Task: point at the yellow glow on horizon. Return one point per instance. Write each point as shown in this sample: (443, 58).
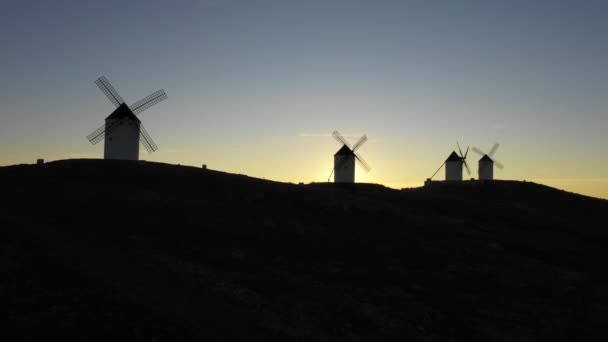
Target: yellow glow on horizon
(301, 160)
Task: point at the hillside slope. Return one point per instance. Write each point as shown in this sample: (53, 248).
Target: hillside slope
(99, 250)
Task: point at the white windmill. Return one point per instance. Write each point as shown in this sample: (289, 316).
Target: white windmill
(487, 163)
(454, 163)
(122, 129)
(453, 166)
(344, 160)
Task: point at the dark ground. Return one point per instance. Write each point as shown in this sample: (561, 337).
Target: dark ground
(94, 250)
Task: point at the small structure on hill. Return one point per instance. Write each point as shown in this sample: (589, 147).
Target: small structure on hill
(344, 160)
(454, 164)
(344, 165)
(453, 167)
(122, 129)
(487, 163)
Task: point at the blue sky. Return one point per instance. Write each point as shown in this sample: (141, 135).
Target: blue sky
(255, 86)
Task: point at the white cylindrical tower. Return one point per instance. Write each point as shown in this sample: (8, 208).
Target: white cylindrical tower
(453, 168)
(122, 139)
(344, 166)
(486, 168)
(122, 142)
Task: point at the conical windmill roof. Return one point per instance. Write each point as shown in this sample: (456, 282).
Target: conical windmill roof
(454, 158)
(486, 158)
(123, 111)
(344, 151)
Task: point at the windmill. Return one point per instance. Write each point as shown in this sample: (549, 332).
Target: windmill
(487, 163)
(122, 129)
(453, 165)
(344, 160)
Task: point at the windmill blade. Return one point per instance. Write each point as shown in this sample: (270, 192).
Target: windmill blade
(498, 165)
(466, 166)
(146, 140)
(466, 153)
(459, 150)
(360, 142)
(97, 135)
(478, 151)
(100, 133)
(148, 101)
(340, 139)
(109, 91)
(493, 150)
(363, 164)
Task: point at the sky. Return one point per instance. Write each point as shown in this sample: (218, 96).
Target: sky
(257, 87)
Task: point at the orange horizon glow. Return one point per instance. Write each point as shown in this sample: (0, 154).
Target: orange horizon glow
(593, 187)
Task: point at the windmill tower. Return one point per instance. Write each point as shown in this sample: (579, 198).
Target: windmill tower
(486, 163)
(454, 163)
(122, 129)
(486, 168)
(344, 160)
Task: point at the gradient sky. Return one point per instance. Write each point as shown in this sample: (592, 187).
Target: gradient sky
(256, 87)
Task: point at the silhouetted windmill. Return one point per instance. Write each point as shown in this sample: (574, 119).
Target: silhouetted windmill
(487, 163)
(122, 130)
(344, 160)
(453, 165)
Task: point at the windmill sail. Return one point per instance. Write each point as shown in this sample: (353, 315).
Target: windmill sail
(109, 91)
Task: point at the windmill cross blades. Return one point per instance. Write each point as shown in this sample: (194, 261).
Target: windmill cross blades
(459, 150)
(109, 91)
(490, 154)
(124, 114)
(351, 153)
(463, 157)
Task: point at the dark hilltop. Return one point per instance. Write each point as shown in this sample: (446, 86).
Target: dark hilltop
(94, 250)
